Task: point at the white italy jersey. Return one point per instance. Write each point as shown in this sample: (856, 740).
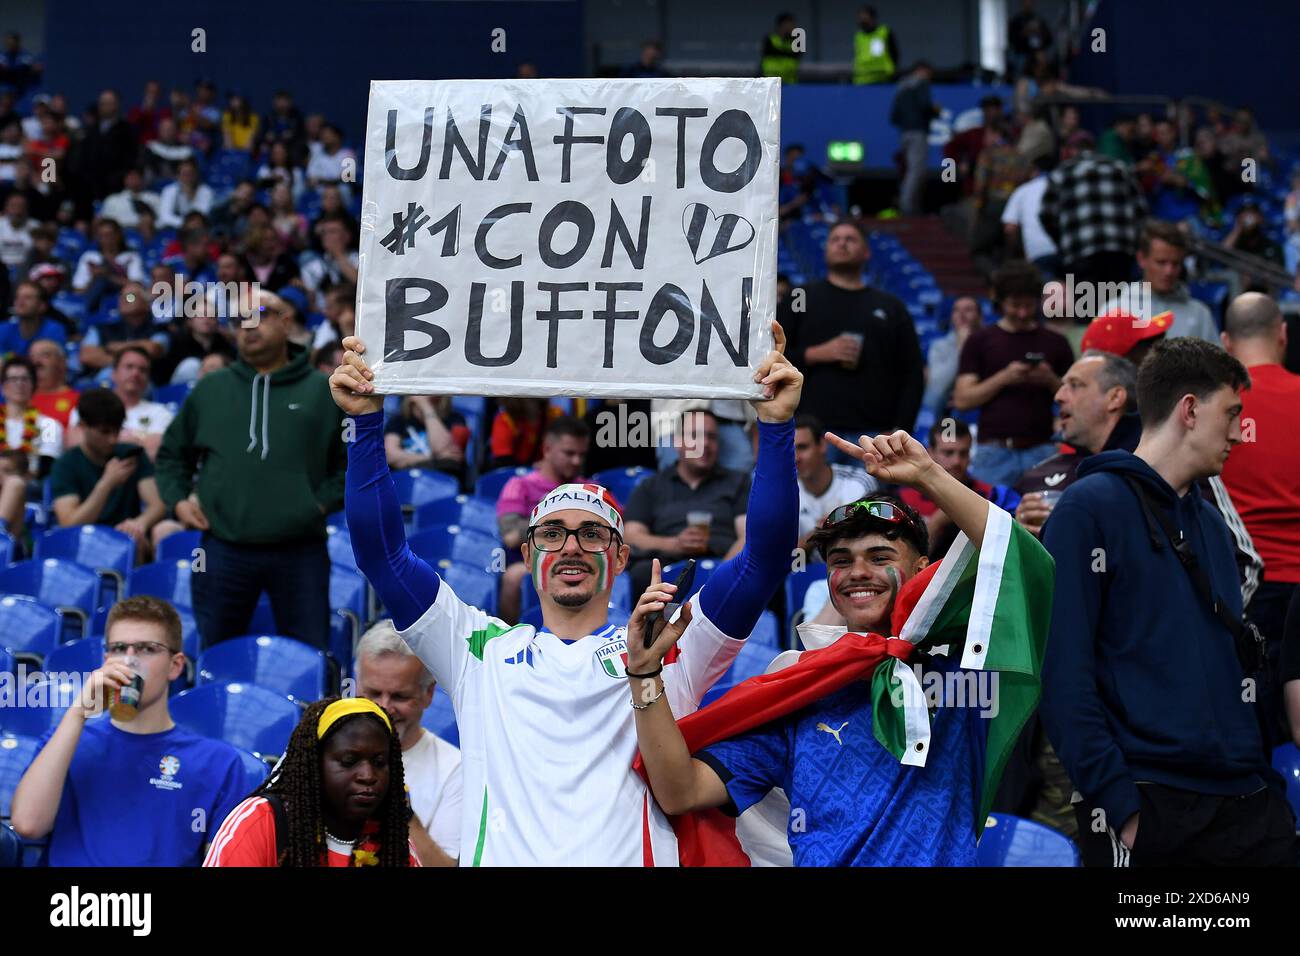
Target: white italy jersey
(548, 736)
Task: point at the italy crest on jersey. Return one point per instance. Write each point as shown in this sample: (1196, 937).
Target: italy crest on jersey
(612, 658)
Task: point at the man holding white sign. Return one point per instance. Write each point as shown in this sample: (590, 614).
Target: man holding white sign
(610, 239)
(547, 735)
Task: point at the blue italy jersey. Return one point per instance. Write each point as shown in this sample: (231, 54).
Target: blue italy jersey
(851, 802)
(143, 799)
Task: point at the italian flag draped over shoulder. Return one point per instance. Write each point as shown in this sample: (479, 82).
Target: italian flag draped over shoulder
(991, 605)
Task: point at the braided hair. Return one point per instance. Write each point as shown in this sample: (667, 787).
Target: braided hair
(297, 782)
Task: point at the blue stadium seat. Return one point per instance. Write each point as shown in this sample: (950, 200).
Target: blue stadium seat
(440, 719)
(796, 586)
(767, 632)
(80, 657)
(281, 664)
(48, 700)
(169, 580)
(1286, 761)
(109, 552)
(256, 769)
(28, 626)
(179, 546)
(11, 847)
(753, 659)
(70, 588)
(16, 752)
(458, 544)
(242, 715)
(416, 487)
(339, 543)
(621, 481)
(703, 568)
(1013, 841)
(471, 584)
(172, 393)
(476, 514)
(489, 485)
(469, 404)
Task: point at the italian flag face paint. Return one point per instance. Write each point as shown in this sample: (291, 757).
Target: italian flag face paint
(544, 561)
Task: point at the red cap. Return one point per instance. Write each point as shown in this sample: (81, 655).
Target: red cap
(1118, 331)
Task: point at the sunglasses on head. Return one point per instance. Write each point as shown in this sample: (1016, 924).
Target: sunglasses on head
(882, 510)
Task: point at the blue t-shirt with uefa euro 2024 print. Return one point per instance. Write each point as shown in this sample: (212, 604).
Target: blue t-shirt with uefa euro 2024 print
(851, 802)
(143, 799)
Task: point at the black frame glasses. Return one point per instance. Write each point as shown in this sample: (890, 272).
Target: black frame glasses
(608, 534)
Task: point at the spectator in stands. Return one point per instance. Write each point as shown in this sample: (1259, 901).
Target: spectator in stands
(338, 797)
(101, 480)
(11, 151)
(1119, 139)
(1009, 371)
(133, 789)
(1248, 235)
(295, 301)
(51, 144)
(1243, 141)
(1176, 181)
(333, 162)
(53, 397)
(165, 154)
(214, 362)
(145, 421)
(30, 321)
(1022, 227)
(328, 357)
(238, 124)
(15, 231)
(268, 261)
(13, 495)
(204, 117)
(201, 335)
(148, 241)
(45, 236)
(18, 68)
(964, 148)
(1093, 210)
(516, 437)
(857, 346)
(1260, 476)
(426, 433)
(26, 430)
(660, 510)
(144, 116)
(188, 193)
(270, 439)
(1162, 250)
(564, 455)
(649, 64)
(282, 126)
(335, 262)
(1001, 168)
(950, 446)
(134, 329)
(823, 486)
(394, 678)
(944, 354)
(1028, 35)
(230, 217)
(1291, 220)
(108, 148)
(123, 207)
(779, 56)
(290, 225)
(196, 255)
(910, 113)
(104, 271)
(1097, 404)
(875, 49)
(1165, 745)
(279, 167)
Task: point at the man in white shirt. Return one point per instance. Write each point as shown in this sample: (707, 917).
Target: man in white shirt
(145, 421)
(122, 205)
(15, 231)
(390, 674)
(1020, 222)
(823, 486)
(185, 195)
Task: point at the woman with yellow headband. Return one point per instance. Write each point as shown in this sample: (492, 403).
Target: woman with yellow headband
(336, 799)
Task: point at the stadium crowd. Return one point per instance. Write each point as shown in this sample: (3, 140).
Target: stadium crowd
(217, 559)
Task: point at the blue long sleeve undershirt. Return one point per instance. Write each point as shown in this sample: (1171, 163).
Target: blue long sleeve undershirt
(733, 597)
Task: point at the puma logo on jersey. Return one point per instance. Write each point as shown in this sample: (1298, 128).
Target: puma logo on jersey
(1053, 480)
(834, 732)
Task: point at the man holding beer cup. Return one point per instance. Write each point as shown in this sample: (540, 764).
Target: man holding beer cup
(133, 789)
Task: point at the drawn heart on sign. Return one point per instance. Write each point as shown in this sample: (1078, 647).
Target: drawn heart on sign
(715, 235)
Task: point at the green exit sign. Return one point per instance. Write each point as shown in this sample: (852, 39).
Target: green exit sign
(844, 151)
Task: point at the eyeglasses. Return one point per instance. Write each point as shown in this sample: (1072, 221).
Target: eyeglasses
(593, 538)
(142, 648)
(18, 380)
(883, 510)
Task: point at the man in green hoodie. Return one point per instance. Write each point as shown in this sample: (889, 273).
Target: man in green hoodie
(255, 460)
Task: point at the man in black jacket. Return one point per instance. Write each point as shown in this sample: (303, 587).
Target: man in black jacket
(863, 369)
